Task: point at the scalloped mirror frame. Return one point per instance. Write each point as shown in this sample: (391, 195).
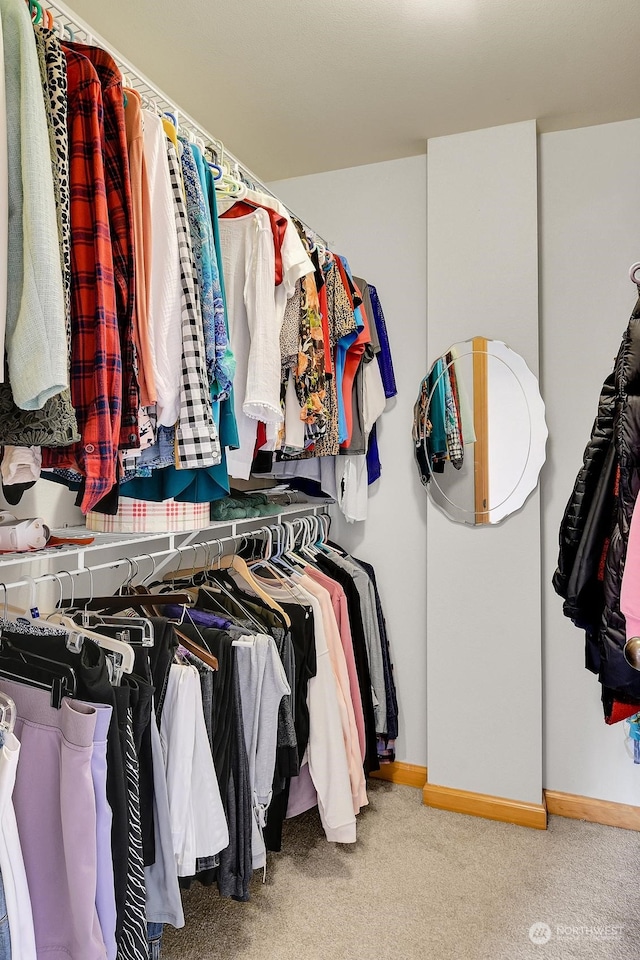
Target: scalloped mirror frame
(536, 456)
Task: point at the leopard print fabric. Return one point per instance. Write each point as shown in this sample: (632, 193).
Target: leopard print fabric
(54, 82)
(55, 424)
(289, 333)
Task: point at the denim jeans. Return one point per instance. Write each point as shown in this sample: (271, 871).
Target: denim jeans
(5, 939)
(154, 934)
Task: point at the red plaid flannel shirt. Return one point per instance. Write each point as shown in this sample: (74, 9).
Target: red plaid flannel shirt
(118, 185)
(96, 366)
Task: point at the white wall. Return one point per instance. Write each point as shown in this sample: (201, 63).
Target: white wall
(376, 216)
(484, 679)
(590, 235)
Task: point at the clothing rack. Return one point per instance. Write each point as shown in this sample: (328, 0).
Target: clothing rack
(168, 554)
(150, 92)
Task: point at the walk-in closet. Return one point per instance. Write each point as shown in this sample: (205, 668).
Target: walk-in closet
(319, 467)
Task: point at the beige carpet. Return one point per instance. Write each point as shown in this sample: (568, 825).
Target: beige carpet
(428, 885)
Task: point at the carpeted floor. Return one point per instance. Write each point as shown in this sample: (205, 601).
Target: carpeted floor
(429, 885)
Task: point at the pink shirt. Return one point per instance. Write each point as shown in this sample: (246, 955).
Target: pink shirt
(347, 715)
(630, 590)
(341, 610)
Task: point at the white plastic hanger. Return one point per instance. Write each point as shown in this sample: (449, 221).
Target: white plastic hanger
(124, 650)
(265, 561)
(8, 713)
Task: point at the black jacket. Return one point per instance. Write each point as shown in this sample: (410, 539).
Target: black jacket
(595, 526)
(587, 519)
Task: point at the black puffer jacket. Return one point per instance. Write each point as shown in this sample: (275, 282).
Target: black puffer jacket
(595, 527)
(571, 580)
(615, 672)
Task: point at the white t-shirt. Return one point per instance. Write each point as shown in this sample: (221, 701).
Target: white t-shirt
(295, 265)
(352, 486)
(165, 292)
(198, 824)
(14, 878)
(248, 263)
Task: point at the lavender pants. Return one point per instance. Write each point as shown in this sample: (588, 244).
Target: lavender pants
(55, 807)
(105, 889)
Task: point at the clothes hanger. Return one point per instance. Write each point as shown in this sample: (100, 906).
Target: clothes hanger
(290, 526)
(281, 579)
(63, 31)
(217, 170)
(189, 644)
(281, 559)
(222, 588)
(193, 572)
(185, 573)
(634, 273)
(152, 601)
(137, 631)
(36, 671)
(323, 544)
(124, 656)
(35, 9)
(124, 652)
(149, 601)
(246, 614)
(128, 601)
(310, 530)
(8, 713)
(213, 151)
(233, 562)
(5, 603)
(230, 185)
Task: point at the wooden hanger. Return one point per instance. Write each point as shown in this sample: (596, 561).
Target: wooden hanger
(233, 562)
(150, 605)
(127, 601)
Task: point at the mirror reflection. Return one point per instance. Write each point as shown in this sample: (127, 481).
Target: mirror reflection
(479, 432)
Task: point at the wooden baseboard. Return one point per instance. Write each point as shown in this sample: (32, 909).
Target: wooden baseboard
(481, 805)
(608, 812)
(408, 774)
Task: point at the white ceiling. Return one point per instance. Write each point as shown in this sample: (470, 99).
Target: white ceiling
(300, 86)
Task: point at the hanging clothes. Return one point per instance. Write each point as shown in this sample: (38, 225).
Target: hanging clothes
(55, 423)
(118, 191)
(96, 387)
(35, 300)
(141, 217)
(249, 265)
(594, 533)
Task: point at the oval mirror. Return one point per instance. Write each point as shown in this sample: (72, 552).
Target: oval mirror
(479, 432)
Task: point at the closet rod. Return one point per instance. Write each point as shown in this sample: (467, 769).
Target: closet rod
(146, 88)
(169, 553)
